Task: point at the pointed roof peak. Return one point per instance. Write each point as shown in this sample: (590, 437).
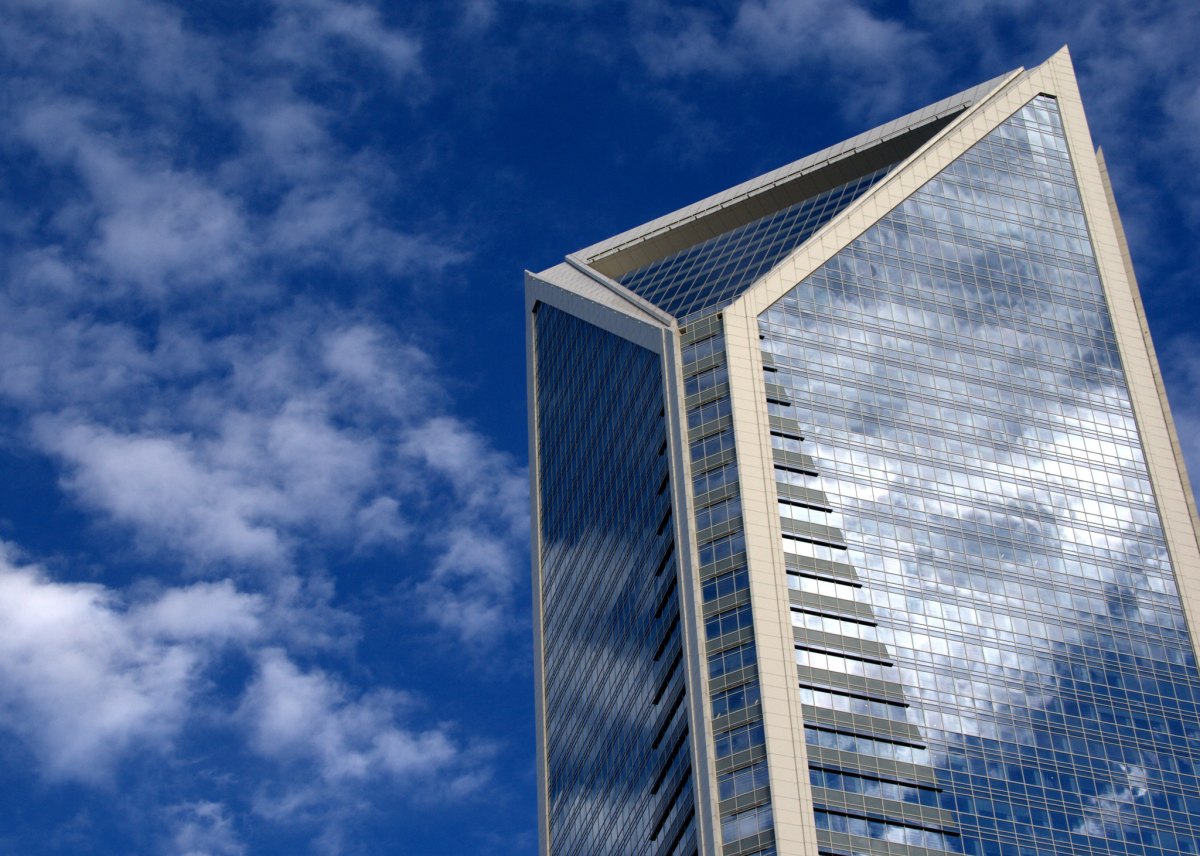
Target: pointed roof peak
(780, 188)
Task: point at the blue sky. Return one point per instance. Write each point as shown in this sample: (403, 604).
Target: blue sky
(263, 537)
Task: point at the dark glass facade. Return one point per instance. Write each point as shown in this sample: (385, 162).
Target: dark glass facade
(695, 282)
(980, 575)
(617, 738)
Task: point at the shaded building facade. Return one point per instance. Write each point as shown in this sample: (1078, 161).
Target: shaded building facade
(860, 522)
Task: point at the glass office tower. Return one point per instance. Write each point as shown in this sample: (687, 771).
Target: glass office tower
(860, 522)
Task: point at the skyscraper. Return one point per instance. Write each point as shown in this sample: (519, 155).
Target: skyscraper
(860, 522)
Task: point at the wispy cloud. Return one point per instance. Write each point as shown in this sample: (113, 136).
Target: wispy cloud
(304, 32)
(88, 677)
(842, 42)
(204, 829)
(311, 718)
(177, 344)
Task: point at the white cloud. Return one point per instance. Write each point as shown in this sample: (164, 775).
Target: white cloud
(483, 479)
(483, 534)
(203, 829)
(305, 30)
(160, 486)
(160, 211)
(84, 678)
(153, 225)
(309, 717)
(88, 678)
(322, 430)
(146, 41)
(789, 32)
(842, 40)
(212, 611)
(396, 376)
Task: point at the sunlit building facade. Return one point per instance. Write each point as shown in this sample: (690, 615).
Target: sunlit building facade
(860, 522)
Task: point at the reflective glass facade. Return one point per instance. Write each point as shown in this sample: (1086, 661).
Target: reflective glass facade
(618, 748)
(992, 651)
(923, 600)
(696, 281)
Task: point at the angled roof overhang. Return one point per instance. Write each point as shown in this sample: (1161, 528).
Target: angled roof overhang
(778, 189)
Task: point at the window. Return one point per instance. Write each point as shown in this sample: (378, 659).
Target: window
(734, 658)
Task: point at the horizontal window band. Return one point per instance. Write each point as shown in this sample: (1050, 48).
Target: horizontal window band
(786, 456)
(739, 767)
(876, 687)
(840, 652)
(878, 816)
(732, 679)
(862, 724)
(708, 463)
(786, 424)
(740, 759)
(801, 564)
(712, 497)
(814, 533)
(815, 505)
(849, 732)
(718, 531)
(813, 610)
(703, 364)
(795, 494)
(744, 802)
(706, 396)
(849, 647)
(839, 606)
(726, 602)
(812, 536)
(712, 569)
(739, 717)
(707, 429)
(855, 761)
(842, 691)
(874, 776)
(749, 846)
(828, 578)
(729, 640)
(778, 394)
(810, 470)
(698, 331)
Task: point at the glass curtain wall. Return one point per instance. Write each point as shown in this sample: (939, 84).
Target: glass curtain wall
(954, 377)
(618, 744)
